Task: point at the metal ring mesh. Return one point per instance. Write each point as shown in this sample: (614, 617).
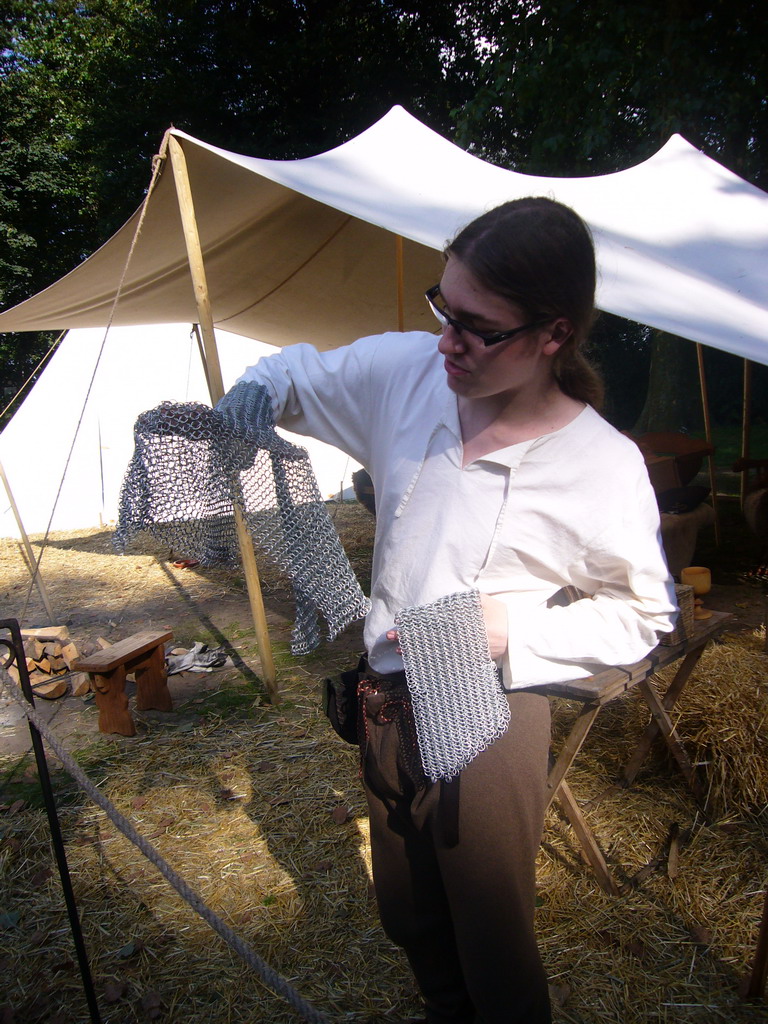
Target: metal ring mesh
(458, 703)
(191, 464)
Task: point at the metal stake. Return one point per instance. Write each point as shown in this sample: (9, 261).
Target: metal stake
(16, 648)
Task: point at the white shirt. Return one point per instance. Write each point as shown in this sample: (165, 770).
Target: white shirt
(573, 507)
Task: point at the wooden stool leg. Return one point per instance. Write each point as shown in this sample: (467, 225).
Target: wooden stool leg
(664, 724)
(112, 702)
(652, 730)
(570, 748)
(152, 682)
(589, 845)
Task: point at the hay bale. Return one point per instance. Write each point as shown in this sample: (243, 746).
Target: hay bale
(723, 721)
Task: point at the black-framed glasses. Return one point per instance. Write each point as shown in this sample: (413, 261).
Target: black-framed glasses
(446, 320)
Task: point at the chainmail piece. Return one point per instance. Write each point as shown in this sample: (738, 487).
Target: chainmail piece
(458, 703)
(192, 464)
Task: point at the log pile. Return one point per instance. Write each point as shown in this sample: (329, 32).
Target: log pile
(50, 655)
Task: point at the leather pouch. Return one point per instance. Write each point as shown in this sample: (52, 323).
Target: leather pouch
(340, 704)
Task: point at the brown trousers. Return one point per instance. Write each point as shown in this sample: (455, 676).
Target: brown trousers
(454, 867)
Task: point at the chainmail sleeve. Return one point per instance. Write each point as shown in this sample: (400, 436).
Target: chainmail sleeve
(192, 464)
(458, 704)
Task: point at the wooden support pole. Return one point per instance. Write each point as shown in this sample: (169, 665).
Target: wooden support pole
(746, 413)
(196, 267)
(400, 282)
(216, 386)
(31, 560)
(708, 435)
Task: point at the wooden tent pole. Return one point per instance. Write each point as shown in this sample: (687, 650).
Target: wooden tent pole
(31, 560)
(708, 436)
(216, 386)
(745, 426)
(400, 282)
(196, 267)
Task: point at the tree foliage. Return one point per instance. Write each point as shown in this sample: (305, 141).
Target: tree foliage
(557, 87)
(87, 88)
(575, 88)
(572, 88)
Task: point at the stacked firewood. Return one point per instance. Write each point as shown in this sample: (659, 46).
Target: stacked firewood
(50, 655)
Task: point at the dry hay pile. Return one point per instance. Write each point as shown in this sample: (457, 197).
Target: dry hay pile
(721, 718)
(264, 818)
(262, 813)
(724, 720)
(680, 941)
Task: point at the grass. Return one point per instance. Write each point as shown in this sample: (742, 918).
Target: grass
(19, 778)
(727, 442)
(230, 700)
(242, 806)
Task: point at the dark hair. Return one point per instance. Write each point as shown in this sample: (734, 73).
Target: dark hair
(539, 254)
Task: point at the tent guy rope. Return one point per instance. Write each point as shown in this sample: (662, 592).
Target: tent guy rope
(34, 373)
(35, 569)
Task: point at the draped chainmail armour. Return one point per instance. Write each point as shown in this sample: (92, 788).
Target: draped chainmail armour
(192, 464)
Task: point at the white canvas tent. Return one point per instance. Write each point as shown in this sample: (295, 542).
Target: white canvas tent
(305, 249)
(344, 243)
(139, 368)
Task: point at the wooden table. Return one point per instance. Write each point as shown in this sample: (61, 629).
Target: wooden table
(594, 692)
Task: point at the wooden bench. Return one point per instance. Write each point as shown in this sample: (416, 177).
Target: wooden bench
(593, 693)
(144, 655)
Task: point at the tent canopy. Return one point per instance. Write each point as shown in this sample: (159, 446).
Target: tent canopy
(304, 250)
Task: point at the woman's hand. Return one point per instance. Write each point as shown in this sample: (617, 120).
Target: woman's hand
(496, 625)
(495, 616)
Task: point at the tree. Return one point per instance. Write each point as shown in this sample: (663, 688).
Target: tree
(87, 88)
(55, 199)
(575, 88)
(572, 88)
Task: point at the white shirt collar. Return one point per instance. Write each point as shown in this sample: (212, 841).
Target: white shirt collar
(509, 456)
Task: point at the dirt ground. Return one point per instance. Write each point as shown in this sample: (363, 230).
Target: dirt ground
(98, 593)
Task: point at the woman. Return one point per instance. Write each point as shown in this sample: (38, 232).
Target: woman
(492, 472)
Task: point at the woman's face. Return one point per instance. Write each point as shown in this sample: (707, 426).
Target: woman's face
(510, 367)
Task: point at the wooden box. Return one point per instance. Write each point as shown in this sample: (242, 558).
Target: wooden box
(685, 622)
